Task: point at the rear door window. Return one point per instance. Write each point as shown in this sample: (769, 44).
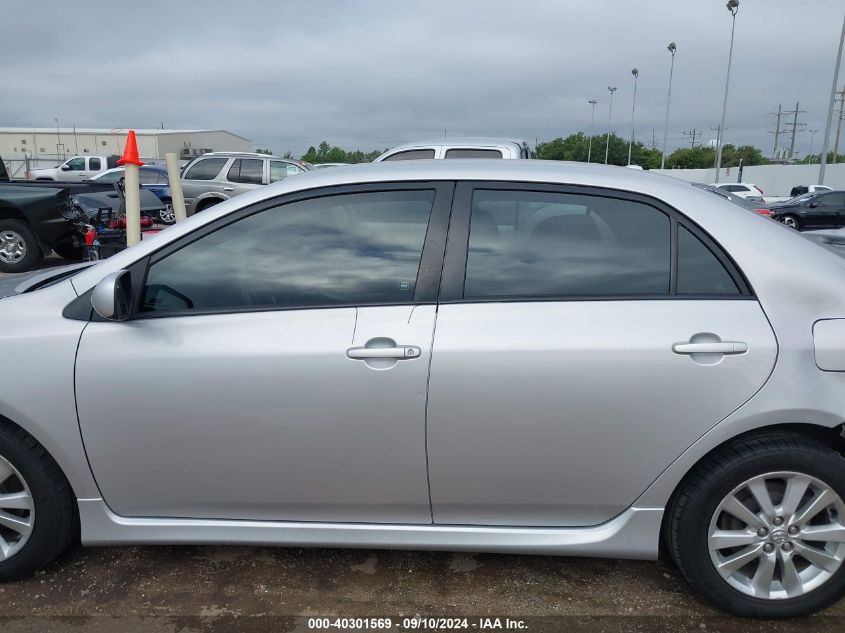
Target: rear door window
(94, 164)
(412, 154)
(247, 170)
(473, 153)
(205, 169)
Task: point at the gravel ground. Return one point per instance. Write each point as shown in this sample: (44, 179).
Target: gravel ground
(252, 588)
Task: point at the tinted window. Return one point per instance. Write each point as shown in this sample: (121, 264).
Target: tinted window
(280, 170)
(150, 177)
(832, 199)
(248, 170)
(205, 169)
(699, 270)
(473, 153)
(94, 164)
(525, 243)
(76, 164)
(735, 188)
(340, 250)
(413, 154)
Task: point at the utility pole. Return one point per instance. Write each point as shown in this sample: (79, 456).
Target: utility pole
(717, 163)
(776, 133)
(653, 139)
(795, 125)
(693, 136)
(829, 114)
(840, 96)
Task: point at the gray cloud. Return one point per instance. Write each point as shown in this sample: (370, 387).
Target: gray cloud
(373, 74)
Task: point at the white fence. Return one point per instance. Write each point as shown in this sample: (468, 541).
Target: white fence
(774, 180)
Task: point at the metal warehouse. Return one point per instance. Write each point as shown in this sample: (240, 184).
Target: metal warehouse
(51, 144)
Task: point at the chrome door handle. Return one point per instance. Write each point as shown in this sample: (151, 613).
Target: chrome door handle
(228, 188)
(401, 352)
(723, 347)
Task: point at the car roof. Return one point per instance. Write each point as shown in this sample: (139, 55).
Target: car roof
(473, 141)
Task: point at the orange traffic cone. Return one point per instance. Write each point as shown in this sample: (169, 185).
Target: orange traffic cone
(130, 152)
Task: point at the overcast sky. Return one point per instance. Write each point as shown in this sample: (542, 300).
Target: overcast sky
(372, 74)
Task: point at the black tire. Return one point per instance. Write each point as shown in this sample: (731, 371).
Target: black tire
(207, 204)
(712, 481)
(33, 253)
(56, 521)
(66, 250)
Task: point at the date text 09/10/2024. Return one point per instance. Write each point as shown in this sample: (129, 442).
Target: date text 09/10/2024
(418, 623)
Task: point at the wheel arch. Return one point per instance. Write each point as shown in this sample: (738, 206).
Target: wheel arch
(833, 437)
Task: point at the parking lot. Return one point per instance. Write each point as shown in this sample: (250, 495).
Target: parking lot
(209, 588)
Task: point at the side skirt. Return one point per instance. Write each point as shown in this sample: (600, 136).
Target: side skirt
(632, 534)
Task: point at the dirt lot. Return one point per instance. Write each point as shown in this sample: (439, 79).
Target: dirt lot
(257, 589)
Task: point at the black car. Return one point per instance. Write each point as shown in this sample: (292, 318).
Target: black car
(818, 210)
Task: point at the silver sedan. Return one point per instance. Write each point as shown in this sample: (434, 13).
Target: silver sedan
(505, 356)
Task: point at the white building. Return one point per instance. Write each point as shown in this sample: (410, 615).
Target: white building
(40, 144)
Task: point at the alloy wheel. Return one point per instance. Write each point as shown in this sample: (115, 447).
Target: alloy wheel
(167, 215)
(778, 535)
(790, 222)
(12, 247)
(17, 510)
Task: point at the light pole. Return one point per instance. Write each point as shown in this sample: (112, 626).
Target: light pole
(609, 115)
(593, 103)
(812, 138)
(828, 121)
(671, 48)
(636, 73)
(733, 7)
(58, 139)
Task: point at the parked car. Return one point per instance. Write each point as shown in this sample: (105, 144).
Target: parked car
(458, 148)
(751, 203)
(616, 364)
(152, 178)
(812, 210)
(217, 176)
(741, 189)
(76, 168)
(32, 223)
(91, 202)
(802, 189)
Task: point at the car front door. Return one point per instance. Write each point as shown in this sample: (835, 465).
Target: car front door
(202, 178)
(75, 171)
(585, 338)
(822, 211)
(276, 364)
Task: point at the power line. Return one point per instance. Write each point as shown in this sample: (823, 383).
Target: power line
(695, 134)
(795, 126)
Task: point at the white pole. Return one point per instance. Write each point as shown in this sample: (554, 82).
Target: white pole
(592, 102)
(177, 198)
(133, 204)
(826, 143)
(609, 115)
(636, 74)
(733, 7)
(672, 48)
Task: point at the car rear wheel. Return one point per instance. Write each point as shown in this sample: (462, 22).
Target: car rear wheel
(207, 204)
(37, 508)
(791, 221)
(759, 527)
(19, 250)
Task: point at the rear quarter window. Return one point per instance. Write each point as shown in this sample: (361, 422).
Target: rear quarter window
(205, 169)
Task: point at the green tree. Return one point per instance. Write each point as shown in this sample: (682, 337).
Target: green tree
(691, 158)
(326, 153)
(749, 154)
(264, 151)
(575, 147)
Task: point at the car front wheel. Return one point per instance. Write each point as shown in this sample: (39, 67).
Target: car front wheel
(167, 215)
(791, 221)
(759, 527)
(37, 507)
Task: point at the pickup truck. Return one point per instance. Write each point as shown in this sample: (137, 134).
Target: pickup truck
(797, 191)
(75, 169)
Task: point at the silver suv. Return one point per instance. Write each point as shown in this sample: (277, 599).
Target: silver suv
(218, 176)
(477, 147)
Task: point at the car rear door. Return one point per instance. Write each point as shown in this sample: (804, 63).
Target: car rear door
(585, 338)
(280, 362)
(243, 175)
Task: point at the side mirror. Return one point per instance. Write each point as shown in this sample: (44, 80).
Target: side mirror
(65, 167)
(112, 297)
(813, 205)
